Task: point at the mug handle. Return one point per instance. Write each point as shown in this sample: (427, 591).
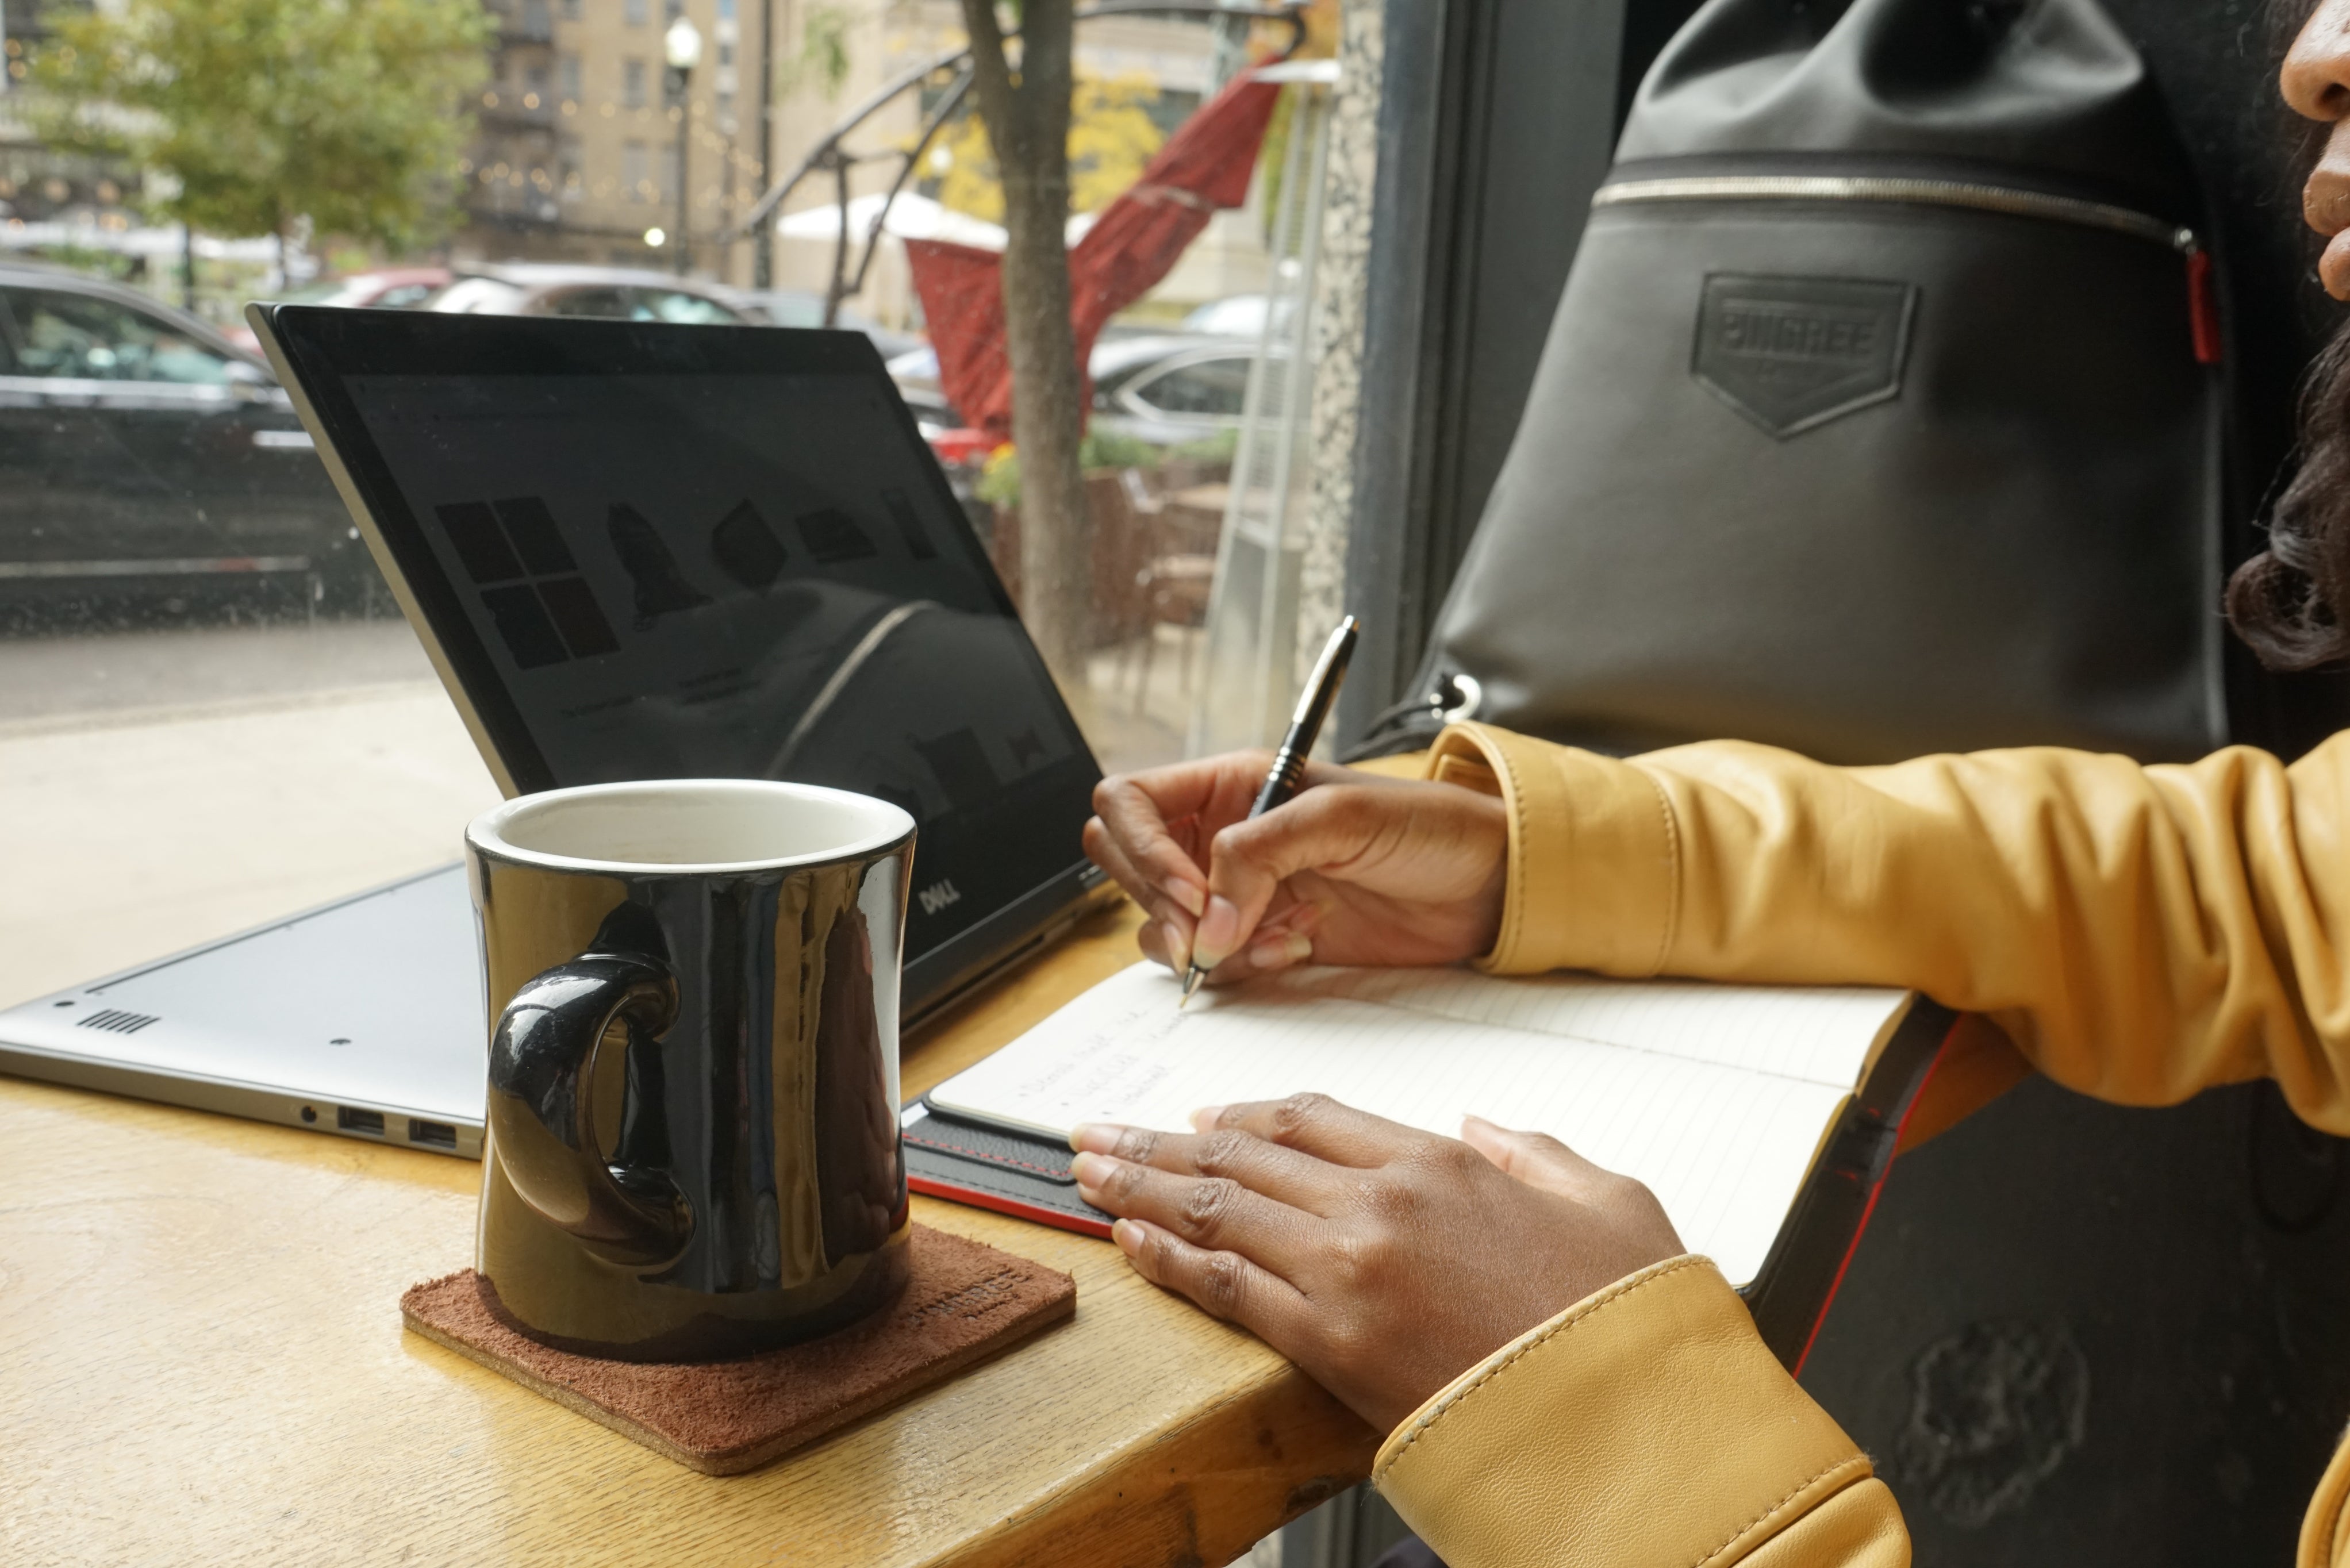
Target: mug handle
(542, 1112)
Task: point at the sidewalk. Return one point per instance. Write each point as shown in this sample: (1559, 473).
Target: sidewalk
(128, 834)
(160, 789)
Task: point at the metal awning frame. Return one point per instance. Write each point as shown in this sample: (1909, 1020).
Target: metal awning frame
(832, 156)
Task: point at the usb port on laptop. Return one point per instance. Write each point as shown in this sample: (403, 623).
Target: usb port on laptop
(432, 1134)
(351, 1119)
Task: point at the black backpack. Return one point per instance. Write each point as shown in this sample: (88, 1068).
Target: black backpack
(1880, 414)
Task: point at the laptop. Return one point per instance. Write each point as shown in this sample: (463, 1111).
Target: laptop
(631, 550)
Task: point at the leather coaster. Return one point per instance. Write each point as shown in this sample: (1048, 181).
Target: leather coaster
(963, 1301)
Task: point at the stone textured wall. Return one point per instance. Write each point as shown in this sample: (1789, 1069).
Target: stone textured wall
(1338, 324)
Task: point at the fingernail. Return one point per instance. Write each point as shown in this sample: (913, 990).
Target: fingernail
(1289, 947)
(1191, 895)
(1220, 929)
(1091, 1169)
(1178, 946)
(1095, 1138)
(1128, 1235)
(1206, 1116)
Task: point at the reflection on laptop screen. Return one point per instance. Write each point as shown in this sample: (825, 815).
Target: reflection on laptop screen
(745, 575)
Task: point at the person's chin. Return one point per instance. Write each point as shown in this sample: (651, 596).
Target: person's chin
(2334, 266)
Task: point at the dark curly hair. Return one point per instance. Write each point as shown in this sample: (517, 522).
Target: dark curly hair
(2290, 603)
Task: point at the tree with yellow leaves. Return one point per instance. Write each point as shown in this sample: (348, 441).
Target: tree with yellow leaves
(1111, 138)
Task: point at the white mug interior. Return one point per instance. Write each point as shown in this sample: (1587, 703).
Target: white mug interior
(689, 826)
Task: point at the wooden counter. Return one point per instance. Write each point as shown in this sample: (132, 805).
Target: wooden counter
(200, 1360)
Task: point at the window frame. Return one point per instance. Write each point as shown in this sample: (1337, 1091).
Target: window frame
(1496, 123)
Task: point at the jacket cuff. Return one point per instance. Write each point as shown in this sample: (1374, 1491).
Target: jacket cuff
(1577, 822)
(1645, 1424)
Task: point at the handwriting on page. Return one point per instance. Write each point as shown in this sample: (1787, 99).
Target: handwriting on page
(1114, 1058)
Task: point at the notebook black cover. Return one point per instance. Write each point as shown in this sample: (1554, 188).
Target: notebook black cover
(993, 1168)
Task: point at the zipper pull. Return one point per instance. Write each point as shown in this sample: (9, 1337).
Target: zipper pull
(2202, 300)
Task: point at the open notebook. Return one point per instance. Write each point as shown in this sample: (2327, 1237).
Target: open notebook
(1763, 1118)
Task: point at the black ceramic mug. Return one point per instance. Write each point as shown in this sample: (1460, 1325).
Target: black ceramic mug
(692, 1148)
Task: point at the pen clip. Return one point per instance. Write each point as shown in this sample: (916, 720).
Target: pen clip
(1321, 685)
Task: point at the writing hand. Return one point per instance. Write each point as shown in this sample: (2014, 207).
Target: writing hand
(1358, 869)
(1383, 1261)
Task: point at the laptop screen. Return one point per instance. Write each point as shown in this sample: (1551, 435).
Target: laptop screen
(664, 552)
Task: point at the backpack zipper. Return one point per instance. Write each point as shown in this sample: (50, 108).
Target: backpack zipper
(2202, 299)
(1921, 192)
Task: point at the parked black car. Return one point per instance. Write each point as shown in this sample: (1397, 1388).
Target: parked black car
(144, 459)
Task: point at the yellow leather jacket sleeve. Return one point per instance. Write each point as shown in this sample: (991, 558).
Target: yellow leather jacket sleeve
(1647, 1425)
(2141, 933)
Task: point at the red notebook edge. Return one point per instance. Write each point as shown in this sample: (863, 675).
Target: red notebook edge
(932, 1187)
(1875, 1191)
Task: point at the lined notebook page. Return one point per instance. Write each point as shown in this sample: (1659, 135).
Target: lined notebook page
(1823, 1033)
(1715, 1097)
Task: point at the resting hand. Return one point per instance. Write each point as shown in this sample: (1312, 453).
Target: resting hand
(1383, 1261)
(1358, 869)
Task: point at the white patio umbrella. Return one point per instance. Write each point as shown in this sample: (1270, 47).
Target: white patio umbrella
(912, 217)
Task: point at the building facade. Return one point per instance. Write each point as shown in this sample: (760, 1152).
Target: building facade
(581, 126)
(39, 183)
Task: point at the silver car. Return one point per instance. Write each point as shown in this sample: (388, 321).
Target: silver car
(606, 293)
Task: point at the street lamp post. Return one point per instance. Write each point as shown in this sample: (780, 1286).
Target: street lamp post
(681, 47)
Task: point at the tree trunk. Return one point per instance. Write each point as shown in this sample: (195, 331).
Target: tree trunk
(1028, 124)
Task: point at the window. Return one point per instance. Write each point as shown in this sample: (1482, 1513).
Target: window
(1206, 389)
(789, 308)
(480, 296)
(674, 305)
(86, 339)
(604, 304)
(640, 304)
(179, 449)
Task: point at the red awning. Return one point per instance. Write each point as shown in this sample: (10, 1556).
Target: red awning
(1205, 165)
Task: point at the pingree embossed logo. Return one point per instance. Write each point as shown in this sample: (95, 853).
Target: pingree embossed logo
(1793, 353)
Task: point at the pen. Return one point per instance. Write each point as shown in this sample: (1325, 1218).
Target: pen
(1289, 763)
